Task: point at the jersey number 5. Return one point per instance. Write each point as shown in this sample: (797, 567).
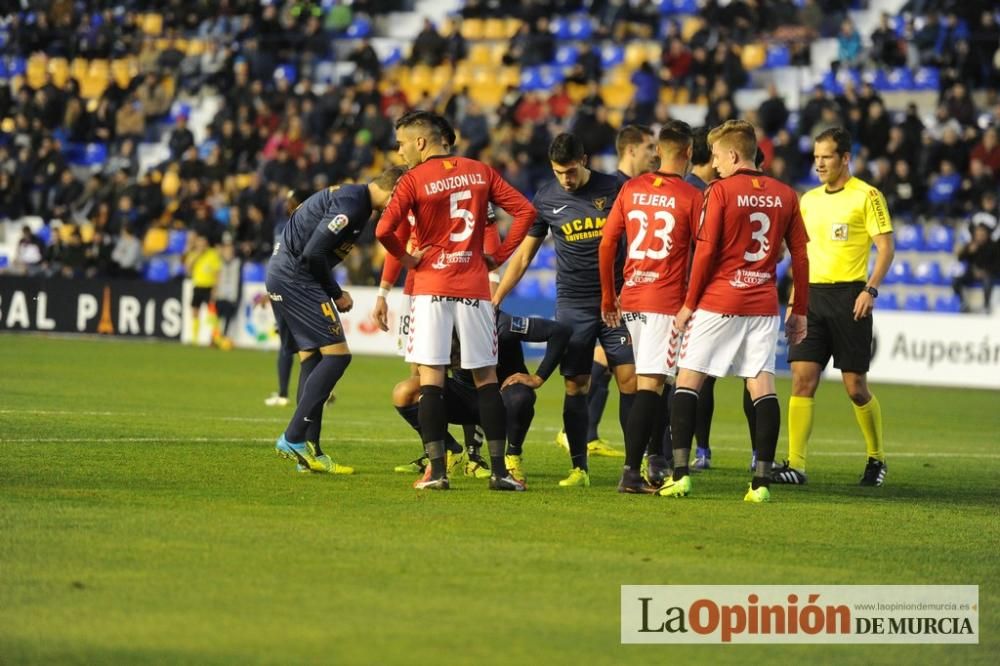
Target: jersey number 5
(758, 237)
(661, 232)
(464, 215)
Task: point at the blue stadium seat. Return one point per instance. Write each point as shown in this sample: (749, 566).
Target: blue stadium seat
(528, 287)
(928, 272)
(157, 270)
(778, 55)
(287, 72)
(949, 303)
(549, 77)
(888, 301)
(566, 55)
(96, 154)
(909, 237)
(548, 288)
(359, 28)
(44, 234)
(916, 303)
(394, 57)
(794, 118)
(954, 270)
(612, 55)
(4, 261)
(559, 26)
(179, 109)
(901, 78)
(17, 66)
(580, 27)
(939, 238)
(254, 272)
(531, 79)
(927, 78)
(176, 241)
(222, 214)
(899, 273)
(75, 153)
(781, 270)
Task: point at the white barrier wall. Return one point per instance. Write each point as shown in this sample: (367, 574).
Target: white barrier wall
(937, 349)
(254, 325)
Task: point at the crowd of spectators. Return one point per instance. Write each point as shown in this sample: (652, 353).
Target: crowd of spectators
(284, 122)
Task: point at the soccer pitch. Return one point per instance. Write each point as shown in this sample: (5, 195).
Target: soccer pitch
(145, 518)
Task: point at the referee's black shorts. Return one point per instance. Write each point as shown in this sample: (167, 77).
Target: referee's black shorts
(833, 330)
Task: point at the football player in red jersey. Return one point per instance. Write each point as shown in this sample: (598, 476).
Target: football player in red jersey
(730, 316)
(658, 213)
(448, 197)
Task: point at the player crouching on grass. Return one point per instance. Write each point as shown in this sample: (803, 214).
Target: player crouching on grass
(517, 384)
(305, 298)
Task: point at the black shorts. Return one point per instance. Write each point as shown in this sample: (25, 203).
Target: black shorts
(833, 330)
(200, 296)
(462, 402)
(305, 315)
(588, 328)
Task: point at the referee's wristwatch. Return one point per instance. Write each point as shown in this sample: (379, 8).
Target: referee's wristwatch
(872, 290)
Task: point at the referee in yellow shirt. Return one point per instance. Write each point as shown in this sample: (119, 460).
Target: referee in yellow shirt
(843, 216)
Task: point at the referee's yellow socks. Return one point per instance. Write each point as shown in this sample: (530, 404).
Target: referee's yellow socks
(800, 425)
(870, 419)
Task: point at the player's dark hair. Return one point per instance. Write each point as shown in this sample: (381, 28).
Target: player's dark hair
(447, 131)
(700, 152)
(677, 133)
(841, 139)
(296, 196)
(758, 159)
(566, 148)
(631, 135)
(387, 179)
(426, 122)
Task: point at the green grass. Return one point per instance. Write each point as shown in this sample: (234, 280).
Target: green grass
(144, 518)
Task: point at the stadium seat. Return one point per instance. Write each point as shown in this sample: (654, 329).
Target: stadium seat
(916, 303)
(254, 272)
(176, 241)
(927, 78)
(637, 53)
(938, 238)
(781, 270)
(480, 54)
(617, 95)
(691, 25)
(152, 24)
(954, 270)
(59, 70)
(559, 27)
(157, 270)
(684, 6)
(949, 303)
(531, 79)
(580, 27)
(37, 70)
(888, 301)
(899, 273)
(928, 272)
(96, 154)
(612, 55)
(473, 29)
(566, 55)
(753, 56)
(550, 77)
(394, 57)
(179, 109)
(909, 237)
(4, 261)
(288, 72)
(778, 55)
(495, 29)
(360, 28)
(44, 234)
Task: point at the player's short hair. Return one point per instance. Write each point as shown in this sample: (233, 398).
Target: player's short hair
(675, 135)
(631, 135)
(700, 152)
(566, 148)
(387, 179)
(447, 131)
(736, 134)
(427, 123)
(841, 139)
(296, 196)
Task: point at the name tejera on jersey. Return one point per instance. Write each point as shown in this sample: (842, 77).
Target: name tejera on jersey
(655, 200)
(454, 182)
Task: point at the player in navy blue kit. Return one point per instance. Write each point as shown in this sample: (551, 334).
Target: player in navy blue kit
(518, 385)
(574, 207)
(305, 298)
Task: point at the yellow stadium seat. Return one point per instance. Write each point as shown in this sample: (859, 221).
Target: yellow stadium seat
(510, 76)
(59, 69)
(497, 52)
(472, 29)
(616, 117)
(682, 96)
(94, 85)
(666, 95)
(78, 69)
(480, 54)
(442, 75)
(617, 96)
(99, 67)
(753, 56)
(171, 183)
(421, 76)
(513, 25)
(87, 232)
(195, 47)
(123, 71)
(486, 75)
(620, 75)
(637, 53)
(691, 25)
(495, 28)
(152, 24)
(461, 78)
(243, 180)
(488, 95)
(576, 91)
(155, 241)
(37, 70)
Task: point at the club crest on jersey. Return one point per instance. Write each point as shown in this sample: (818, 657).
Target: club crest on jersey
(839, 232)
(338, 223)
(599, 202)
(756, 183)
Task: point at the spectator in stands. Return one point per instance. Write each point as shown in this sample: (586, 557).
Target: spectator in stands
(229, 288)
(887, 50)
(62, 197)
(960, 105)
(772, 112)
(943, 190)
(429, 47)
(68, 256)
(903, 191)
(475, 130)
(127, 254)
(181, 138)
(647, 93)
(987, 151)
(848, 45)
(875, 130)
(366, 60)
(981, 256)
(30, 256)
(925, 39)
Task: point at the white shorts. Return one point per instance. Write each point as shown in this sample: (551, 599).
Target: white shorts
(403, 326)
(432, 319)
(654, 342)
(721, 345)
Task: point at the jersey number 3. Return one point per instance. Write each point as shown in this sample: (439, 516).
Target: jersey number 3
(758, 237)
(661, 232)
(464, 215)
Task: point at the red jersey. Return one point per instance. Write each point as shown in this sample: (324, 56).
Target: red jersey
(658, 213)
(391, 268)
(449, 197)
(745, 219)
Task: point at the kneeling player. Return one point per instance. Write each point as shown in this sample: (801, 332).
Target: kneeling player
(658, 213)
(305, 299)
(518, 385)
